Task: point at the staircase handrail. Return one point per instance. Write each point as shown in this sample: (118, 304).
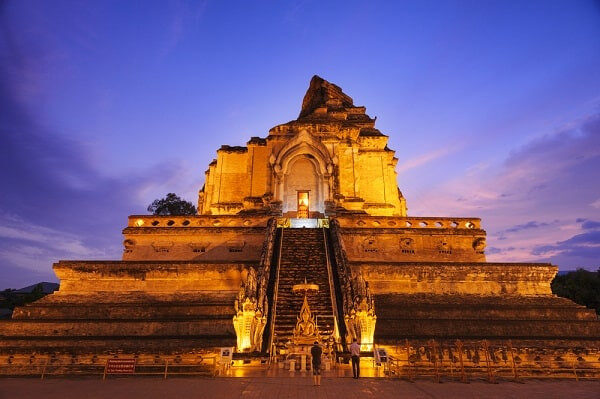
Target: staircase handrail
(331, 283)
(264, 269)
(341, 260)
(275, 290)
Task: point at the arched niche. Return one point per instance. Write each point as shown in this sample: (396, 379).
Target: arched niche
(303, 164)
(302, 174)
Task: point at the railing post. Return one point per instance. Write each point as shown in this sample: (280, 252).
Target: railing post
(463, 375)
(433, 348)
(514, 365)
(166, 368)
(410, 377)
(575, 372)
(486, 349)
(44, 369)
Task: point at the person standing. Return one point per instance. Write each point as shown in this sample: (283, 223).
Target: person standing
(316, 351)
(355, 353)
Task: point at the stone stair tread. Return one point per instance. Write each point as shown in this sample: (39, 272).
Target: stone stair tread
(302, 256)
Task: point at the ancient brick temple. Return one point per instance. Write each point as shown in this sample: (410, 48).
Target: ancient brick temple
(315, 201)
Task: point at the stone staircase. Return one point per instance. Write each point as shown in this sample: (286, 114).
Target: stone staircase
(303, 256)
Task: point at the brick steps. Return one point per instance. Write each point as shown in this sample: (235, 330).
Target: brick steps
(466, 307)
(116, 343)
(303, 257)
(471, 317)
(125, 312)
(62, 329)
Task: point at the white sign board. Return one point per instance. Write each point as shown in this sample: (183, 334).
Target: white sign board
(381, 355)
(226, 354)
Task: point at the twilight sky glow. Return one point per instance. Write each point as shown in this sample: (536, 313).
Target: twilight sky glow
(493, 108)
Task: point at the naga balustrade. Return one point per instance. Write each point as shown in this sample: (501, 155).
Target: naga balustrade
(46, 366)
(462, 361)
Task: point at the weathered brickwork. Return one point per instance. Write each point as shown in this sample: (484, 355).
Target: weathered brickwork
(333, 150)
(223, 277)
(197, 238)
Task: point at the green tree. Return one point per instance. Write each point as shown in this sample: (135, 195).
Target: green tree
(580, 286)
(172, 205)
(35, 294)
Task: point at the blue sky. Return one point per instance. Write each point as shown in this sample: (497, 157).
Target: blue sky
(493, 109)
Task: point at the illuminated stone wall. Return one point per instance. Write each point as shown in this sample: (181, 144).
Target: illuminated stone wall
(413, 239)
(458, 278)
(351, 167)
(199, 238)
(146, 306)
(151, 277)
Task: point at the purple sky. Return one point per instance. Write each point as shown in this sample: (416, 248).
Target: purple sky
(493, 109)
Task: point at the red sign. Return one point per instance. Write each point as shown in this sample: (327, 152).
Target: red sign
(120, 366)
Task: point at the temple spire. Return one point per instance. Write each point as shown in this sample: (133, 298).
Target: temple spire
(322, 93)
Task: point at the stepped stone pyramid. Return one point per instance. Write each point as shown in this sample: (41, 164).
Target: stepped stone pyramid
(315, 199)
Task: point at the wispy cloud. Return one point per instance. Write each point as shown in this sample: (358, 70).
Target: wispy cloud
(538, 203)
(55, 203)
(583, 245)
(15, 229)
(526, 226)
(425, 158)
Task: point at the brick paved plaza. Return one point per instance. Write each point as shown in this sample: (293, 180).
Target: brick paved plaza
(282, 387)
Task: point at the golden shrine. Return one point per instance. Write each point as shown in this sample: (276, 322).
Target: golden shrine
(315, 200)
(306, 331)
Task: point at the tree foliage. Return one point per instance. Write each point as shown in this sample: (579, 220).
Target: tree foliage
(11, 298)
(580, 286)
(171, 205)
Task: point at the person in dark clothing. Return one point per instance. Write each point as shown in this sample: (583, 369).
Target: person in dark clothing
(316, 351)
(355, 353)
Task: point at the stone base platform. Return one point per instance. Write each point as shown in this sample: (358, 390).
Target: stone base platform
(181, 307)
(129, 306)
(539, 321)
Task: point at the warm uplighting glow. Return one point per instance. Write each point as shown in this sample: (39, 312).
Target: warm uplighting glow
(303, 199)
(244, 344)
(366, 346)
(139, 223)
(303, 211)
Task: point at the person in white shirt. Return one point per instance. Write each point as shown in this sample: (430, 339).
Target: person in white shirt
(355, 353)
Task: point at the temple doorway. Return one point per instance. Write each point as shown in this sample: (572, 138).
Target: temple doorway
(302, 188)
(303, 210)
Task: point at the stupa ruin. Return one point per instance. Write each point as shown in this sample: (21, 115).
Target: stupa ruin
(314, 202)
